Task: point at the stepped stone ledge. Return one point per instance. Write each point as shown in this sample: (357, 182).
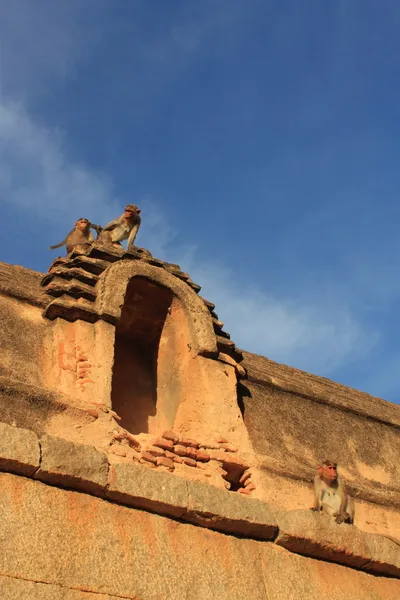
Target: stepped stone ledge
(72, 283)
(78, 467)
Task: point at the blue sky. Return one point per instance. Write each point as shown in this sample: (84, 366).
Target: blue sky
(261, 140)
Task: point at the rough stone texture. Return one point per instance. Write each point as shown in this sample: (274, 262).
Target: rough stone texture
(21, 589)
(22, 330)
(317, 535)
(19, 450)
(290, 577)
(22, 284)
(145, 488)
(78, 541)
(76, 362)
(72, 465)
(225, 511)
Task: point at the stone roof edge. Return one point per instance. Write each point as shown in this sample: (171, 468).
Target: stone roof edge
(82, 468)
(12, 287)
(321, 390)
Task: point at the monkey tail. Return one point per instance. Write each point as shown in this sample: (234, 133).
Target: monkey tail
(57, 245)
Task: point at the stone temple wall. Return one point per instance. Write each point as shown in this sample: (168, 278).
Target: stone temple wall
(144, 456)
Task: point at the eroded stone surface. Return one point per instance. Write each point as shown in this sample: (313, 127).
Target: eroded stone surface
(21, 589)
(72, 465)
(288, 576)
(226, 511)
(305, 532)
(19, 450)
(139, 486)
(79, 541)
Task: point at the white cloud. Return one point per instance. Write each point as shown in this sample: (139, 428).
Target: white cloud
(317, 337)
(36, 172)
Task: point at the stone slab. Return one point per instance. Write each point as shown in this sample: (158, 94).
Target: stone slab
(317, 535)
(21, 589)
(80, 542)
(288, 576)
(72, 465)
(143, 487)
(19, 450)
(230, 512)
(84, 542)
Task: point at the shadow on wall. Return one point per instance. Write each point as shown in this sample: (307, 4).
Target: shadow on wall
(137, 340)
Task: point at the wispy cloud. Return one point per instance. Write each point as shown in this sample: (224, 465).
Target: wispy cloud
(37, 173)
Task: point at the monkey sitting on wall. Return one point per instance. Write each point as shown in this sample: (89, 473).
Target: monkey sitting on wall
(330, 494)
(123, 228)
(79, 236)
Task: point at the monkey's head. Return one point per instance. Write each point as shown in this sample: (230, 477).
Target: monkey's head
(82, 224)
(328, 471)
(131, 210)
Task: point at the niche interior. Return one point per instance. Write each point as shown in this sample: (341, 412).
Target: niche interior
(137, 340)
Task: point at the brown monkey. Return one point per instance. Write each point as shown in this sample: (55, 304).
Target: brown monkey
(123, 228)
(330, 494)
(79, 236)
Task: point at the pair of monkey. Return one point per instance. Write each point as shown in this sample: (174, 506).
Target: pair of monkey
(125, 227)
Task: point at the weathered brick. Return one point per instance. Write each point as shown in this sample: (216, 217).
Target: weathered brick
(210, 446)
(170, 435)
(19, 450)
(217, 455)
(202, 456)
(232, 461)
(189, 462)
(163, 443)
(165, 462)
(72, 465)
(191, 453)
(180, 450)
(250, 487)
(245, 491)
(229, 448)
(148, 457)
(184, 441)
(156, 451)
(246, 475)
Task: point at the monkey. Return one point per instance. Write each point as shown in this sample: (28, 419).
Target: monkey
(123, 228)
(330, 494)
(79, 236)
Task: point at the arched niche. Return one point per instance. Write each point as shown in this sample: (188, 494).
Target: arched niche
(136, 353)
(163, 334)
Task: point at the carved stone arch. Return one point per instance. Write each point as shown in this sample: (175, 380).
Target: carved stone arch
(164, 337)
(112, 288)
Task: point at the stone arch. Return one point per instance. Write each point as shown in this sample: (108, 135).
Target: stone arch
(161, 326)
